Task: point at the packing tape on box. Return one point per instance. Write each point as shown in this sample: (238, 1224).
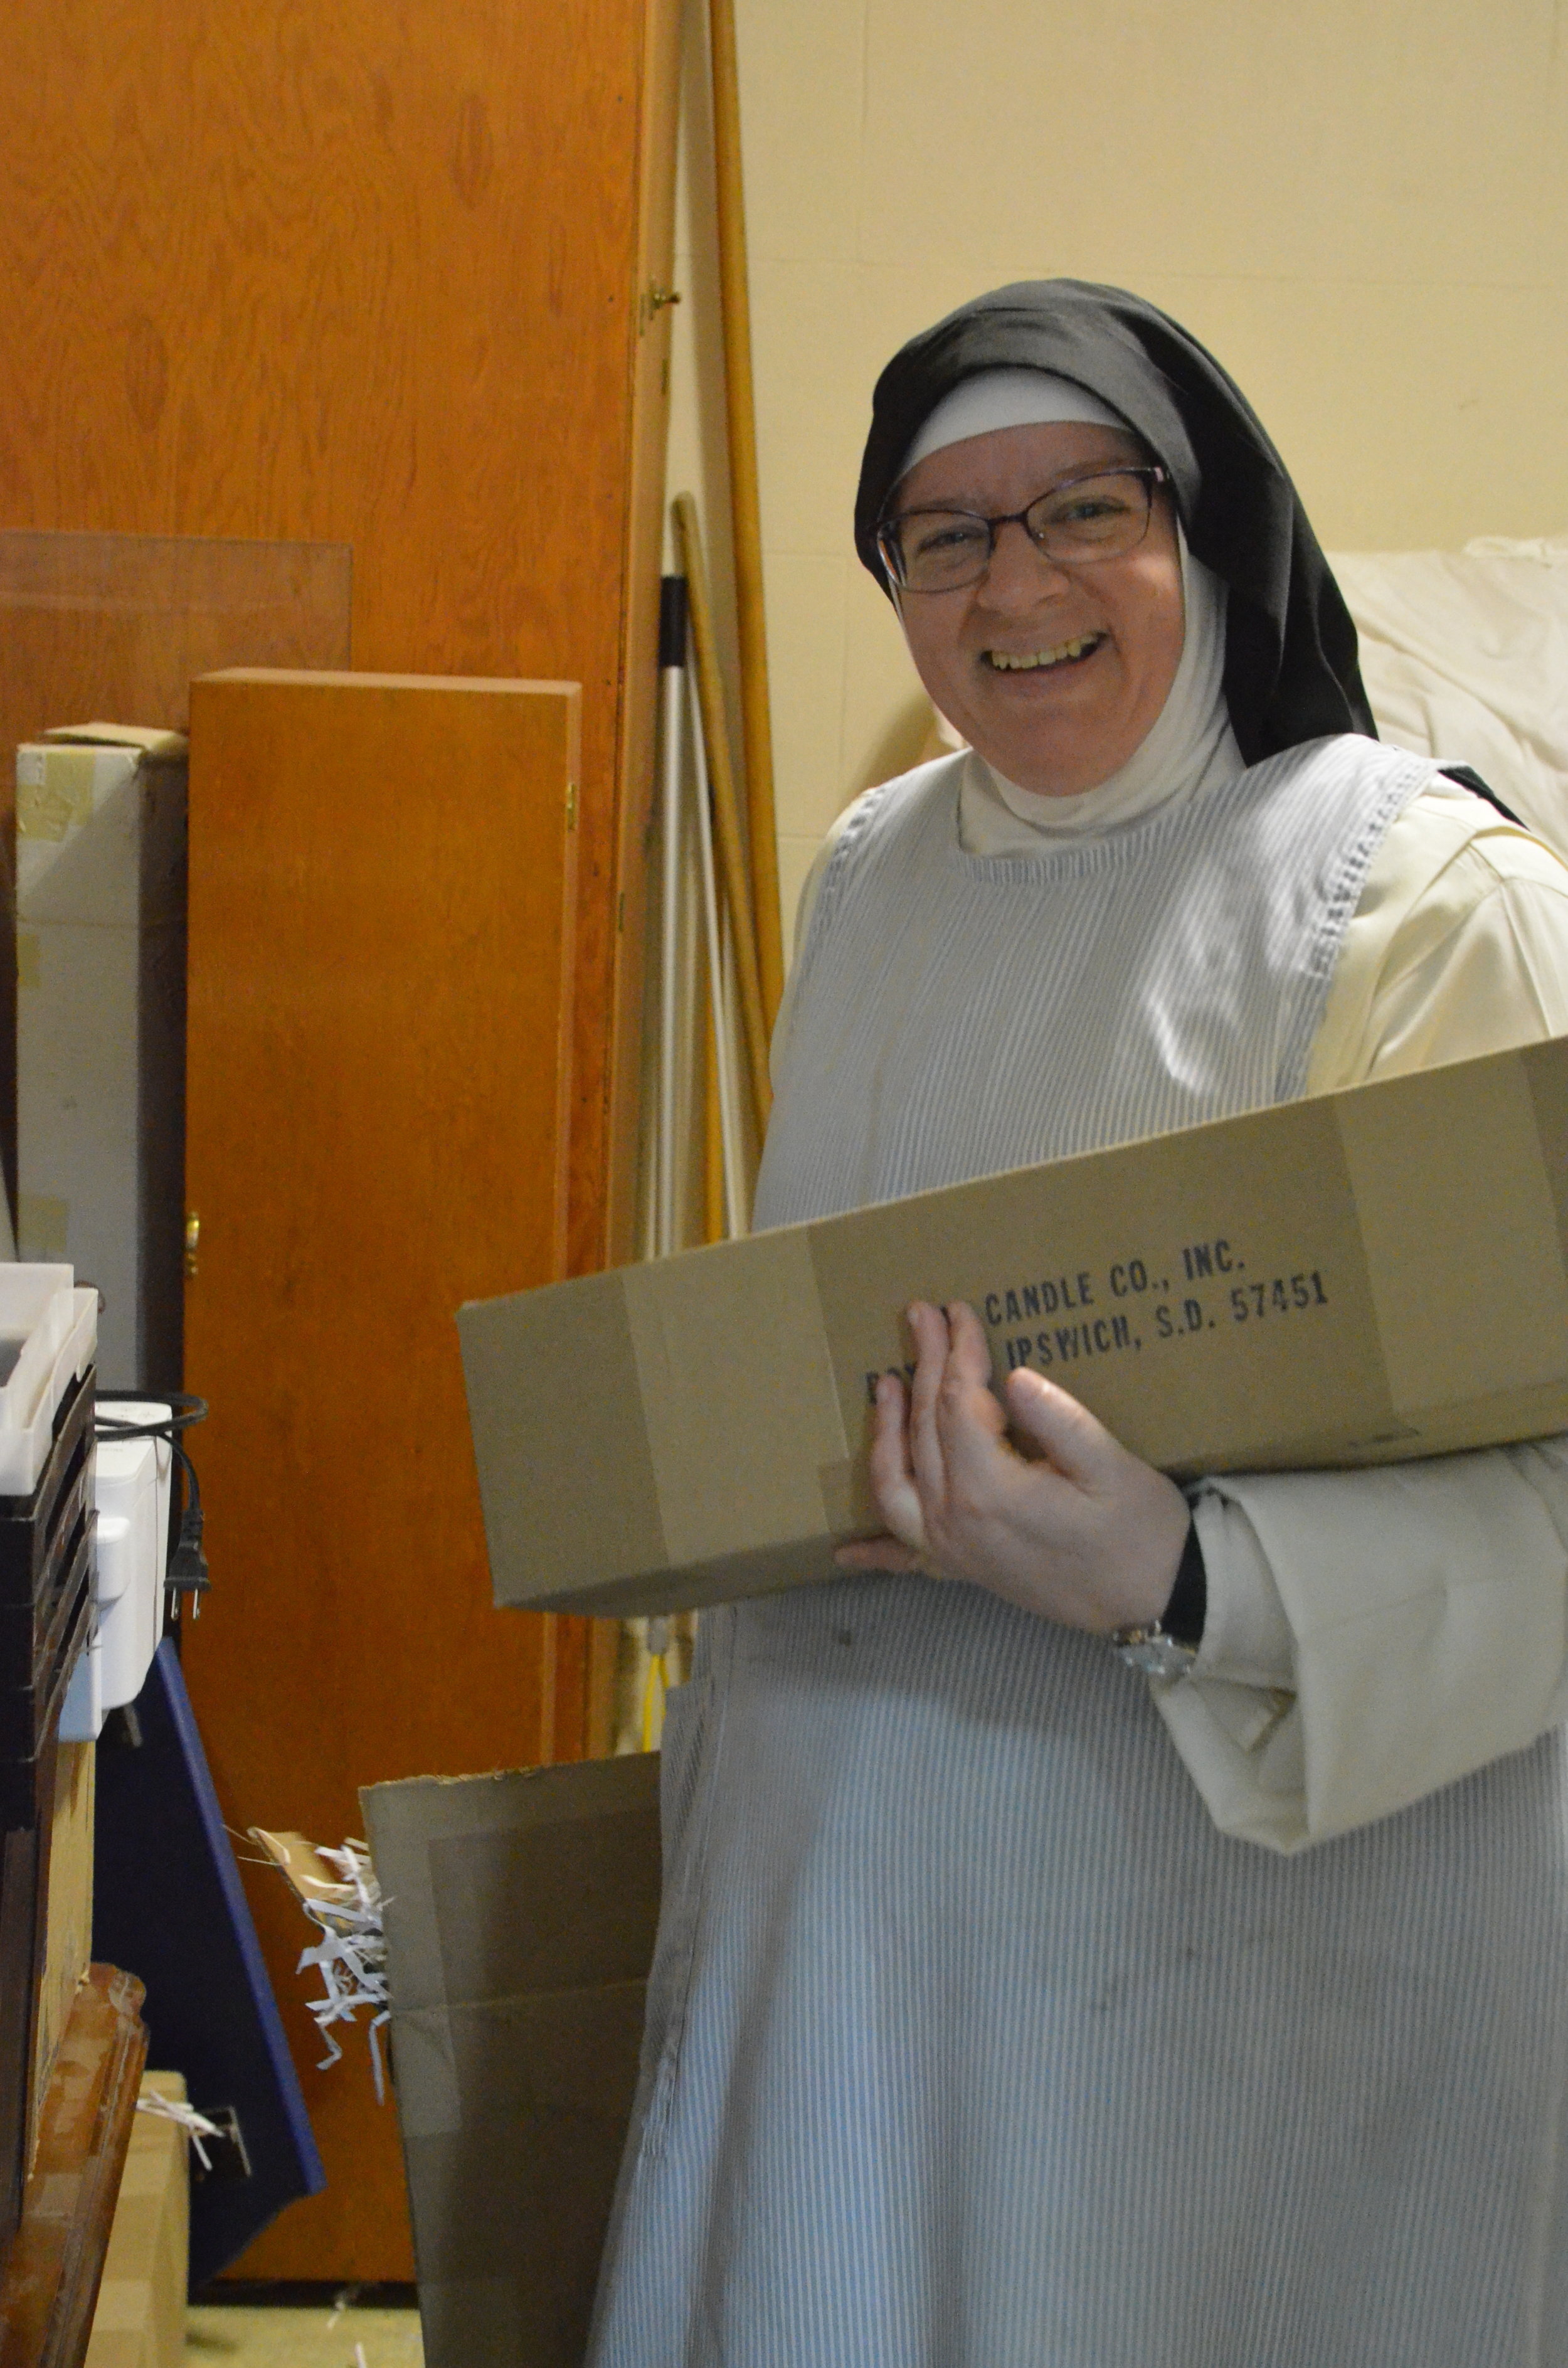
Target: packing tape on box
(428, 2104)
(715, 1394)
(1466, 1206)
(55, 790)
(530, 1420)
(1542, 1066)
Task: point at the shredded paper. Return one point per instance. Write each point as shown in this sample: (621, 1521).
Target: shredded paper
(351, 1956)
(174, 2109)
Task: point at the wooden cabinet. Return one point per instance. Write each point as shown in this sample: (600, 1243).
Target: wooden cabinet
(380, 281)
(382, 903)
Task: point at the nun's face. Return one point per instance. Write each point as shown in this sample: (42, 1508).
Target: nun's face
(1099, 643)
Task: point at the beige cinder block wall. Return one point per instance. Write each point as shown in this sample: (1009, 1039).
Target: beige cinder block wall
(1358, 207)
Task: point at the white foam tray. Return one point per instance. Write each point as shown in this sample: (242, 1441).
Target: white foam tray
(53, 1328)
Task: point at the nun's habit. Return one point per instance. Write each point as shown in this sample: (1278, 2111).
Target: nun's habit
(973, 2040)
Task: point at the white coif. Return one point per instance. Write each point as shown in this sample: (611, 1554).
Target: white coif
(972, 2042)
(1008, 398)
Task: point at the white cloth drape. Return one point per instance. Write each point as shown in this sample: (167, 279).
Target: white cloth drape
(1465, 658)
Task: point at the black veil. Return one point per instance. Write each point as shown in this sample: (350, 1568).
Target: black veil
(1290, 669)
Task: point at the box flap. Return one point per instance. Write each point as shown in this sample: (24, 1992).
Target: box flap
(546, 1371)
(531, 1881)
(1461, 1235)
(739, 1402)
(153, 741)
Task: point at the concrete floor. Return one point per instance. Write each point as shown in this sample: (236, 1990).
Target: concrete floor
(235, 2335)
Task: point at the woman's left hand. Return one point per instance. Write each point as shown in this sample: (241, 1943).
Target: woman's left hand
(1076, 1529)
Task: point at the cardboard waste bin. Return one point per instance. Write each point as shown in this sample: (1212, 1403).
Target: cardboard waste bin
(520, 1913)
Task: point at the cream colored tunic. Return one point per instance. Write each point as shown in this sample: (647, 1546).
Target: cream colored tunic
(1310, 1714)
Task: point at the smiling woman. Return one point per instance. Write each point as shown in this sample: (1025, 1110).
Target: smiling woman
(1009, 2013)
(1056, 659)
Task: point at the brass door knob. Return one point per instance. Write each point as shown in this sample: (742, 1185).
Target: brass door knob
(192, 1239)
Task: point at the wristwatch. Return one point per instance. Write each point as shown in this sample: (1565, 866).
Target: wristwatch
(1152, 1651)
(1167, 1647)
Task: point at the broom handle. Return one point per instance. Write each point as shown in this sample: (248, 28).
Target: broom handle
(723, 1111)
(672, 676)
(726, 812)
(756, 731)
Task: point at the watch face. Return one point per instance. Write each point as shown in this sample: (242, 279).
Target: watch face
(1158, 1656)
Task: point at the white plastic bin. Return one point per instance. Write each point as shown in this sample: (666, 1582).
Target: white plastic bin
(47, 1334)
(130, 1495)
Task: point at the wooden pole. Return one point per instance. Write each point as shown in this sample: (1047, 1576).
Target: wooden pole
(713, 1226)
(604, 1655)
(719, 945)
(726, 812)
(756, 730)
(673, 686)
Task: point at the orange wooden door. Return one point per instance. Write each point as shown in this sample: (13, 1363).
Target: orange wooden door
(378, 278)
(373, 276)
(382, 878)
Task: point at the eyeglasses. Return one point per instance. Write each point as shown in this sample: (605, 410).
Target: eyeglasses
(1100, 516)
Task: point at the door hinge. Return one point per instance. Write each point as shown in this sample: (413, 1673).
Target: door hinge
(655, 299)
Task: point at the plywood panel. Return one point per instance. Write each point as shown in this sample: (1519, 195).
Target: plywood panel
(367, 276)
(110, 628)
(381, 923)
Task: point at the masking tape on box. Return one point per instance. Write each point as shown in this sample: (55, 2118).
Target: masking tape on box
(1463, 1203)
(738, 1394)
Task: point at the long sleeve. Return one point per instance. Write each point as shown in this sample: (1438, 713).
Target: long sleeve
(1372, 1635)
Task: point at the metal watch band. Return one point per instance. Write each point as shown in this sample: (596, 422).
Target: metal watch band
(1152, 1651)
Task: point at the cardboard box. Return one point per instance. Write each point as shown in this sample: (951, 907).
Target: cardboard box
(68, 1915)
(139, 2318)
(100, 1028)
(520, 1914)
(1356, 1279)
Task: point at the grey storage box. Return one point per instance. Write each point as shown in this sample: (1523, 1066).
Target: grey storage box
(100, 1030)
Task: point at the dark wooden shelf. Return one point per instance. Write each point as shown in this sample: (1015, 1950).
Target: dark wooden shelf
(51, 2285)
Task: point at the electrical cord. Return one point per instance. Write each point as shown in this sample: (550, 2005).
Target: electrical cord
(187, 1573)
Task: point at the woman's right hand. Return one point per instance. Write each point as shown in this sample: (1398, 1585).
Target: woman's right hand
(1075, 1528)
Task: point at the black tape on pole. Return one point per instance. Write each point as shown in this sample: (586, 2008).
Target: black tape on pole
(672, 622)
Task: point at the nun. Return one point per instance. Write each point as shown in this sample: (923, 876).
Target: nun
(1108, 1926)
